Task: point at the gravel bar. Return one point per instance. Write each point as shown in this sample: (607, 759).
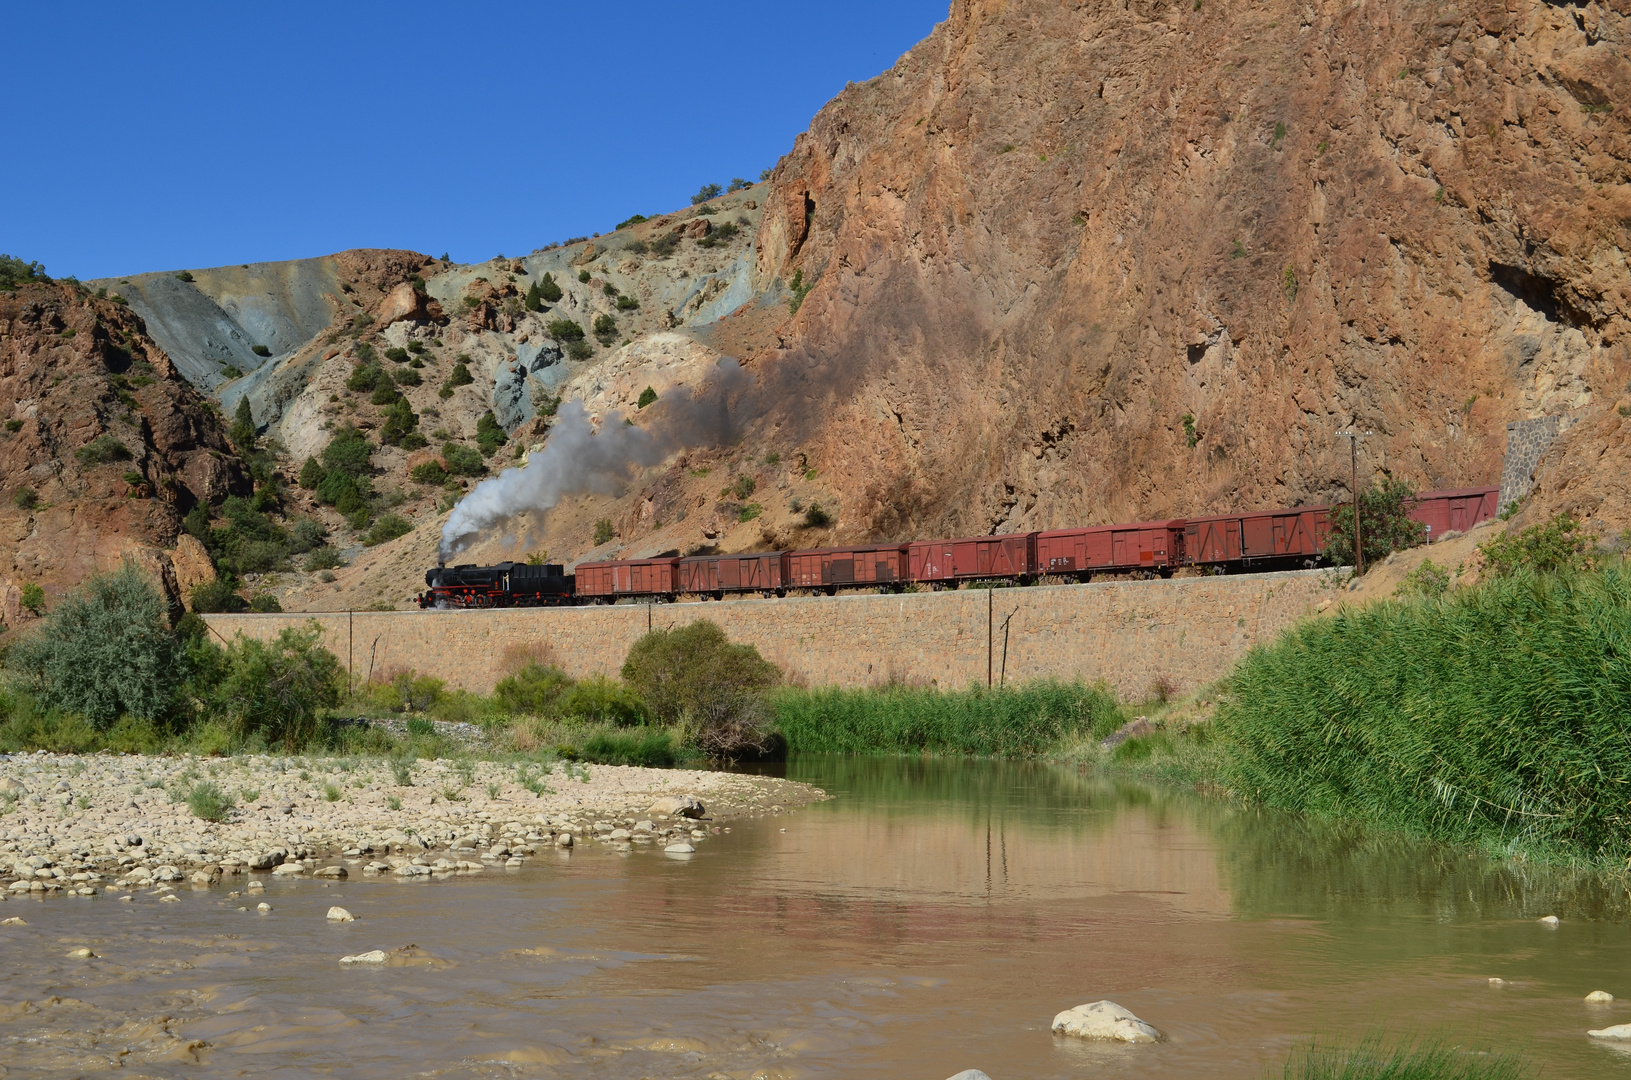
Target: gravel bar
(79, 825)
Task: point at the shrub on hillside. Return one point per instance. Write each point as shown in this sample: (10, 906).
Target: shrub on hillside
(1385, 524)
(580, 350)
(704, 193)
(565, 330)
(489, 434)
(605, 329)
(549, 289)
(428, 472)
(666, 245)
(15, 272)
(220, 595)
(242, 431)
(399, 421)
(462, 460)
(388, 527)
(260, 350)
(397, 355)
(696, 678)
(105, 652)
(365, 377)
(102, 450)
(277, 689)
(1553, 547)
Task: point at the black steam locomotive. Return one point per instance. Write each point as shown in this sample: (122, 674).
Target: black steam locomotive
(509, 584)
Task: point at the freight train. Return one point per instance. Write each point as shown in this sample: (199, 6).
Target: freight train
(1225, 543)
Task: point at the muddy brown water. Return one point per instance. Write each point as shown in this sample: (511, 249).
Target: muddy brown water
(932, 917)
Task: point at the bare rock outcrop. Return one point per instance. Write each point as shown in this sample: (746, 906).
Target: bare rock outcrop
(104, 448)
(1102, 262)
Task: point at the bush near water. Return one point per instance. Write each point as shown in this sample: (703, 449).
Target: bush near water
(1497, 715)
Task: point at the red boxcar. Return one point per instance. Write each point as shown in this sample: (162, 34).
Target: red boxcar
(602, 581)
(1458, 511)
(835, 568)
(972, 559)
(1288, 535)
(1146, 545)
(764, 571)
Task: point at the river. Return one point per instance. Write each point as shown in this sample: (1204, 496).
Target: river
(933, 916)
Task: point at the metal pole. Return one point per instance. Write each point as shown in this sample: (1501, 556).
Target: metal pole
(348, 658)
(1359, 547)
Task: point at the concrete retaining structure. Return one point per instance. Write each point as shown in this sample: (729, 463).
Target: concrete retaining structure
(1134, 635)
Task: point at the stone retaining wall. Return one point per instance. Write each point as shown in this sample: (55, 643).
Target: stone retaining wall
(1132, 634)
(1526, 441)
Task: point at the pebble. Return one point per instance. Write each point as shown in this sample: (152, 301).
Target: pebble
(376, 956)
(1599, 997)
(340, 914)
(331, 872)
(1104, 1020)
(970, 1074)
(1548, 920)
(169, 898)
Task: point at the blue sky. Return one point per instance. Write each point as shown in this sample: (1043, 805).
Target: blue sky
(166, 136)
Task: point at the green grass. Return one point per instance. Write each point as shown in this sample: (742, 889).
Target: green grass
(649, 746)
(1020, 721)
(206, 800)
(1374, 1059)
(1499, 716)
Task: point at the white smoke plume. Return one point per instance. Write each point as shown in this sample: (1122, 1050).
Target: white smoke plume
(577, 458)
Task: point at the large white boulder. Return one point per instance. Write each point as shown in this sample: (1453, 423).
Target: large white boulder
(1104, 1020)
(1618, 1031)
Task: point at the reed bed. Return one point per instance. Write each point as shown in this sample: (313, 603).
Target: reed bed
(1024, 720)
(1499, 715)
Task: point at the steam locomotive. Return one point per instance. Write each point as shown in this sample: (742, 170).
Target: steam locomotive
(1225, 543)
(509, 584)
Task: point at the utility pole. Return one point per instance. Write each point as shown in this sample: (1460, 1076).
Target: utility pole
(1353, 435)
(990, 625)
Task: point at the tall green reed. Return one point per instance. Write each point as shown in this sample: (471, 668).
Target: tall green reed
(1019, 721)
(1500, 715)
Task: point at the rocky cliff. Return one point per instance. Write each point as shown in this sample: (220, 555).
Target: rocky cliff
(1106, 261)
(104, 448)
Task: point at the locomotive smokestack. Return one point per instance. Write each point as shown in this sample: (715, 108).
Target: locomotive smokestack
(577, 458)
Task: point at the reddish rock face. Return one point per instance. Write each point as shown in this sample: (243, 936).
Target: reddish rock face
(1100, 262)
(77, 370)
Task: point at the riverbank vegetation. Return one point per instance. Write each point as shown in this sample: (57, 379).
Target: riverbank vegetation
(1493, 714)
(1025, 720)
(1490, 714)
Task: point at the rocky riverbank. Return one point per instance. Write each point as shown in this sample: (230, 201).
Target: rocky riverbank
(82, 825)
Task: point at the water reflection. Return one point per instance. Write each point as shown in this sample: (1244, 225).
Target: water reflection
(931, 917)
